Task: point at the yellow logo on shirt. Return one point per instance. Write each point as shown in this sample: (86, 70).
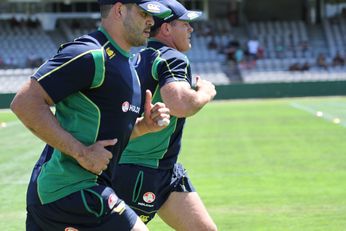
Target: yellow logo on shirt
(110, 53)
(145, 219)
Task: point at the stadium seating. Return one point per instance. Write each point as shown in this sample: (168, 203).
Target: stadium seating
(21, 43)
(284, 43)
(288, 43)
(12, 79)
(335, 30)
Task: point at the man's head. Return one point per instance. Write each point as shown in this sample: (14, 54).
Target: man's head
(152, 7)
(175, 29)
(129, 21)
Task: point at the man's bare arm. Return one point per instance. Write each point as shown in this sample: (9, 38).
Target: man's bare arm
(152, 115)
(32, 106)
(183, 101)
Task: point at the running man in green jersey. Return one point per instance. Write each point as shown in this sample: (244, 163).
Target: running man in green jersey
(149, 178)
(97, 99)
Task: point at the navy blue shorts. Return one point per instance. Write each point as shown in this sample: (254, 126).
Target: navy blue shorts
(146, 189)
(96, 208)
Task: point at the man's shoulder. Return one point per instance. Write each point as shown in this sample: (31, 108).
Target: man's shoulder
(169, 53)
(80, 45)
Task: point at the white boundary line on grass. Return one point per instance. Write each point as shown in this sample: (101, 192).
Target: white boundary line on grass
(326, 116)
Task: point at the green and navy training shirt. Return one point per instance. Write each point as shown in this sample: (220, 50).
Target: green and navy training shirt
(97, 96)
(156, 66)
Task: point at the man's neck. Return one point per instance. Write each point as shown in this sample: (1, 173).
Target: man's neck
(117, 34)
(164, 40)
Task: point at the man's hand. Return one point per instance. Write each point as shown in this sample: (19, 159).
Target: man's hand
(206, 87)
(156, 117)
(96, 158)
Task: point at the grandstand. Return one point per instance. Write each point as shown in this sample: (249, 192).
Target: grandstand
(290, 36)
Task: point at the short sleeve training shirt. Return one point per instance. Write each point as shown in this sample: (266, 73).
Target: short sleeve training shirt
(97, 96)
(156, 66)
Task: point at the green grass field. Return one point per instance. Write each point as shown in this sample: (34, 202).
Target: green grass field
(270, 165)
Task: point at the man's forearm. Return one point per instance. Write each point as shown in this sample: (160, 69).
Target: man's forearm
(33, 110)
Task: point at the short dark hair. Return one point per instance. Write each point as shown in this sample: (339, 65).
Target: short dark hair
(155, 30)
(105, 9)
(129, 5)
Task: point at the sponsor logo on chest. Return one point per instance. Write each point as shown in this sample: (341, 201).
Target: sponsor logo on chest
(126, 107)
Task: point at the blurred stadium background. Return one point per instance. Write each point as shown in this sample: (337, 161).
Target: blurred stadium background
(273, 175)
(249, 48)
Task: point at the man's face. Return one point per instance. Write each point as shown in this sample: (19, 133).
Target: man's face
(181, 35)
(137, 26)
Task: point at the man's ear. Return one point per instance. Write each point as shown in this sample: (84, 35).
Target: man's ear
(118, 9)
(166, 29)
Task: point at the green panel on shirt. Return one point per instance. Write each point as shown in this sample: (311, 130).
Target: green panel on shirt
(62, 175)
(99, 68)
(148, 149)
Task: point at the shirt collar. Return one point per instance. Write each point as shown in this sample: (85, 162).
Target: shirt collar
(155, 43)
(122, 51)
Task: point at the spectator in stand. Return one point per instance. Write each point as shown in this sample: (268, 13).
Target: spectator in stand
(338, 60)
(32, 23)
(305, 66)
(343, 12)
(321, 61)
(260, 53)
(299, 67)
(253, 45)
(231, 50)
(2, 64)
(234, 43)
(295, 67)
(239, 55)
(14, 22)
(212, 45)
